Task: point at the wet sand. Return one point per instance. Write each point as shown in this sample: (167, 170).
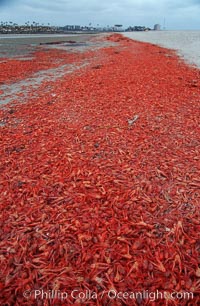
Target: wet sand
(37, 39)
(21, 45)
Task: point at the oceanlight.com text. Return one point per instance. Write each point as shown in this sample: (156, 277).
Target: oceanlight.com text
(88, 295)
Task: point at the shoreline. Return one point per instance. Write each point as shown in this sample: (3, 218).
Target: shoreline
(100, 174)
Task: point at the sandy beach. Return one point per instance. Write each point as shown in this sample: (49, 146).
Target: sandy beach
(99, 162)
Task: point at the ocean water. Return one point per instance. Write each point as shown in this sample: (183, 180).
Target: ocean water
(186, 43)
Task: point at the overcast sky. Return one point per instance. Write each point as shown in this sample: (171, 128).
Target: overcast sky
(178, 14)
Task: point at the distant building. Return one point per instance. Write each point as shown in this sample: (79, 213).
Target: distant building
(71, 28)
(137, 28)
(157, 27)
(118, 27)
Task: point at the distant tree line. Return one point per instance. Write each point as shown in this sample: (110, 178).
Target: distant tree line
(35, 27)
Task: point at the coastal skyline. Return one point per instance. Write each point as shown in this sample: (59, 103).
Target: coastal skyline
(179, 15)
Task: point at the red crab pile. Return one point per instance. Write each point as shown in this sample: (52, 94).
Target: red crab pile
(100, 180)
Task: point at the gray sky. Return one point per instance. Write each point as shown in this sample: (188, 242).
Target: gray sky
(179, 14)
